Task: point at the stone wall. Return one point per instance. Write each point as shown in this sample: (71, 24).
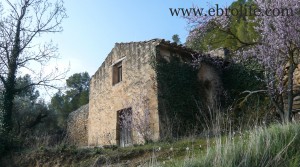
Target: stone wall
(137, 91)
(77, 126)
(296, 88)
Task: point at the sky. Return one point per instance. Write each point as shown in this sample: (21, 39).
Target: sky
(93, 27)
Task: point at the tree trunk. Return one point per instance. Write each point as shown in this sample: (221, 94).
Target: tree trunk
(289, 111)
(8, 107)
(10, 83)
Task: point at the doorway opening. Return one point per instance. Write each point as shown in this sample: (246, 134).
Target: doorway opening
(124, 127)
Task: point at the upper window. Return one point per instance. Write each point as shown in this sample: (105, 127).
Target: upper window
(117, 73)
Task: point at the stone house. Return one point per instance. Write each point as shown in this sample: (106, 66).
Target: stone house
(146, 91)
(128, 102)
(126, 106)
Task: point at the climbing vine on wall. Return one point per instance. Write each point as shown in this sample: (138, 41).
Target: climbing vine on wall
(178, 92)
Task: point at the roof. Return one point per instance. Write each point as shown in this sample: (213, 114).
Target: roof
(163, 42)
(200, 57)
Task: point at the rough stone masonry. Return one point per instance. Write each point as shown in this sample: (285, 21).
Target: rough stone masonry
(124, 107)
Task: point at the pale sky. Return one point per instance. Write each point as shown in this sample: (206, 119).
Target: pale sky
(94, 26)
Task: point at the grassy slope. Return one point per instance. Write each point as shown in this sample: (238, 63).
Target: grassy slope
(150, 154)
(276, 146)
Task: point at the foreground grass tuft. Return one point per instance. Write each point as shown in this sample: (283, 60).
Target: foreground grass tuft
(275, 146)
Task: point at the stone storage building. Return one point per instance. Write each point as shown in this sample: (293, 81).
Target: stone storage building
(135, 88)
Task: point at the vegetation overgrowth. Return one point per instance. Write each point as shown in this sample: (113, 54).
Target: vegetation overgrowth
(253, 127)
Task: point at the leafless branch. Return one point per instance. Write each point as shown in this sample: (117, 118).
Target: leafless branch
(20, 26)
(244, 99)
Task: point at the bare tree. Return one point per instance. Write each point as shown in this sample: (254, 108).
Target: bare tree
(22, 23)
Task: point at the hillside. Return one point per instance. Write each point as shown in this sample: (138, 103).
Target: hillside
(274, 146)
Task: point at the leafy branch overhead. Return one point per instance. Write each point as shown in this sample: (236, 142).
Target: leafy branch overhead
(232, 32)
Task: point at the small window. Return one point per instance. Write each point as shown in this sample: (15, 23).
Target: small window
(117, 73)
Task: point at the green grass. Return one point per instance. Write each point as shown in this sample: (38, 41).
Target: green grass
(275, 146)
(67, 155)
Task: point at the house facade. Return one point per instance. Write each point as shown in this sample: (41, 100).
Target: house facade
(124, 102)
(123, 85)
(146, 91)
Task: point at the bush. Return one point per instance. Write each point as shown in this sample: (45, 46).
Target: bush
(244, 95)
(9, 142)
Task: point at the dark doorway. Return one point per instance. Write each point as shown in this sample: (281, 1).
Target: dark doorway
(124, 127)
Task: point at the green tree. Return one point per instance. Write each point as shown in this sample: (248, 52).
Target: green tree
(76, 95)
(239, 32)
(29, 92)
(30, 111)
(31, 116)
(176, 39)
(78, 90)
